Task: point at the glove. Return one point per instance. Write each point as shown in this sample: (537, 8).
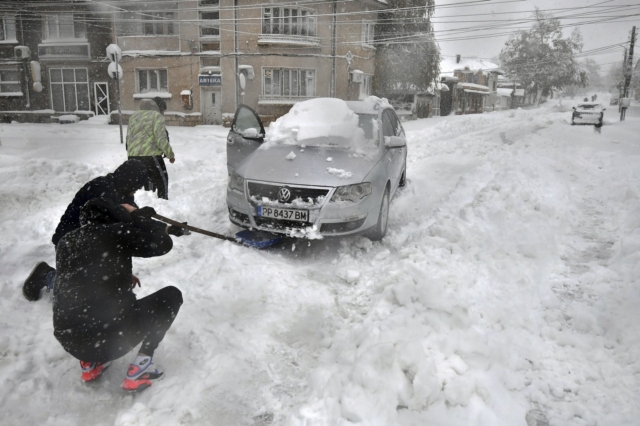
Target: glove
(146, 212)
(178, 231)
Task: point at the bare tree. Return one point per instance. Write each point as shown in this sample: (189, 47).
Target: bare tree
(407, 57)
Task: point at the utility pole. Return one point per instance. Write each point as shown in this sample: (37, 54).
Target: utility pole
(620, 84)
(628, 71)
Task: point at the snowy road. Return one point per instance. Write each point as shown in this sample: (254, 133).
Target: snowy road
(507, 283)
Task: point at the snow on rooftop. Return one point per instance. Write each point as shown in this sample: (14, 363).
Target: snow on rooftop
(448, 65)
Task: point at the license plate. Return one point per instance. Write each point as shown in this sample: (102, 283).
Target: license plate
(284, 214)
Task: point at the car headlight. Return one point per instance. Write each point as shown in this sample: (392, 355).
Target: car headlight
(352, 193)
(236, 182)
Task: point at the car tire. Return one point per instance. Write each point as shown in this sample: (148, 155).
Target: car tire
(403, 177)
(380, 230)
(573, 122)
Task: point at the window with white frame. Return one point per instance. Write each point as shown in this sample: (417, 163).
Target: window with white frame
(365, 86)
(154, 80)
(288, 21)
(65, 26)
(69, 89)
(210, 24)
(10, 81)
(7, 28)
(285, 82)
(159, 23)
(368, 31)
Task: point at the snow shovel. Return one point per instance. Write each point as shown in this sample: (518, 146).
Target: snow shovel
(255, 239)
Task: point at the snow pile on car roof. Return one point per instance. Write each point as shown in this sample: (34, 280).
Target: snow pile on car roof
(319, 122)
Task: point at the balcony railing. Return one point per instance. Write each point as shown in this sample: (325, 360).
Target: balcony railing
(291, 39)
(282, 100)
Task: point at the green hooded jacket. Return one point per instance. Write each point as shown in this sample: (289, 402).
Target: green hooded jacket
(147, 135)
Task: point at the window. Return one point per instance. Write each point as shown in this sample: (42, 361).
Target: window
(471, 78)
(210, 24)
(64, 27)
(387, 125)
(365, 86)
(210, 47)
(159, 23)
(367, 33)
(10, 81)
(7, 28)
(152, 81)
(289, 82)
(69, 89)
(288, 21)
(390, 124)
(209, 3)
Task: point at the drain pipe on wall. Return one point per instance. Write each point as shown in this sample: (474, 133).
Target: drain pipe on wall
(333, 52)
(235, 49)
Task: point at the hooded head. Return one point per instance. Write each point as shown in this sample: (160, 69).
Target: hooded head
(103, 211)
(162, 105)
(130, 176)
(149, 105)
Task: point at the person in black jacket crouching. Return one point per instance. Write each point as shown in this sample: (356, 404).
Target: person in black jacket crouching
(96, 315)
(119, 187)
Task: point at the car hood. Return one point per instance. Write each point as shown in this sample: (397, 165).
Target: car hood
(320, 166)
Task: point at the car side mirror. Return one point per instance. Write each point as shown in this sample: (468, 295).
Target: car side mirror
(251, 133)
(574, 108)
(394, 142)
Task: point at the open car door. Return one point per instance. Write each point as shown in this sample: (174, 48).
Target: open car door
(245, 136)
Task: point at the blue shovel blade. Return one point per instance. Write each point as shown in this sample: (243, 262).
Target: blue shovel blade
(258, 239)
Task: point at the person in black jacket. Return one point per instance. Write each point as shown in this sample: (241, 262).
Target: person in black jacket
(96, 316)
(118, 187)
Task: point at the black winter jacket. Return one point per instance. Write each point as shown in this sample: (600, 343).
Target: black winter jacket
(93, 288)
(116, 187)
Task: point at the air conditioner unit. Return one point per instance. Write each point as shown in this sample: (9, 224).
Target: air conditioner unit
(21, 52)
(357, 76)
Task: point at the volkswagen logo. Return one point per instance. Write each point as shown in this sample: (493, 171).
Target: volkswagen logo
(284, 194)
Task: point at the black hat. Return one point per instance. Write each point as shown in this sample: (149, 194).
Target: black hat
(130, 176)
(102, 210)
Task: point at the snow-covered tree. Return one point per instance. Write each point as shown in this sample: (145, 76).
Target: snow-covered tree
(407, 57)
(542, 59)
(592, 82)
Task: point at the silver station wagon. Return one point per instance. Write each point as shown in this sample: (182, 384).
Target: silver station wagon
(327, 167)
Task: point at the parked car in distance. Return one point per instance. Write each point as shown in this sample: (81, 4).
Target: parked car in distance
(588, 113)
(327, 167)
(615, 99)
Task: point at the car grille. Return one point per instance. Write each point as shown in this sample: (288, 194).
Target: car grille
(259, 190)
(277, 224)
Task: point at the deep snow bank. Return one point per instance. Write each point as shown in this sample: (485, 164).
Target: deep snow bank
(508, 282)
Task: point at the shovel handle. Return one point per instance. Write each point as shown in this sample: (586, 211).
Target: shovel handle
(194, 229)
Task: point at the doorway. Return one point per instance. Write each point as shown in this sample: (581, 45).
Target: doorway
(211, 106)
(101, 98)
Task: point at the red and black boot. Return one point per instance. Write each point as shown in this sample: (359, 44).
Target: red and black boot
(141, 373)
(92, 370)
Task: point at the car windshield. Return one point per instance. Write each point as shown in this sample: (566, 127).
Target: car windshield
(589, 107)
(324, 123)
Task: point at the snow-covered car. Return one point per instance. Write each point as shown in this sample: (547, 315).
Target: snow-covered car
(588, 113)
(326, 167)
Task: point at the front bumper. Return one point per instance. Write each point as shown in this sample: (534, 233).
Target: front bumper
(587, 118)
(325, 217)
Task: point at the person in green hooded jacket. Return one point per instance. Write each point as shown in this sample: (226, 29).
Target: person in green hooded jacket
(148, 142)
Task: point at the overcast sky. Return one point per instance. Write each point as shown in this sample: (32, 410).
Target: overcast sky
(463, 19)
